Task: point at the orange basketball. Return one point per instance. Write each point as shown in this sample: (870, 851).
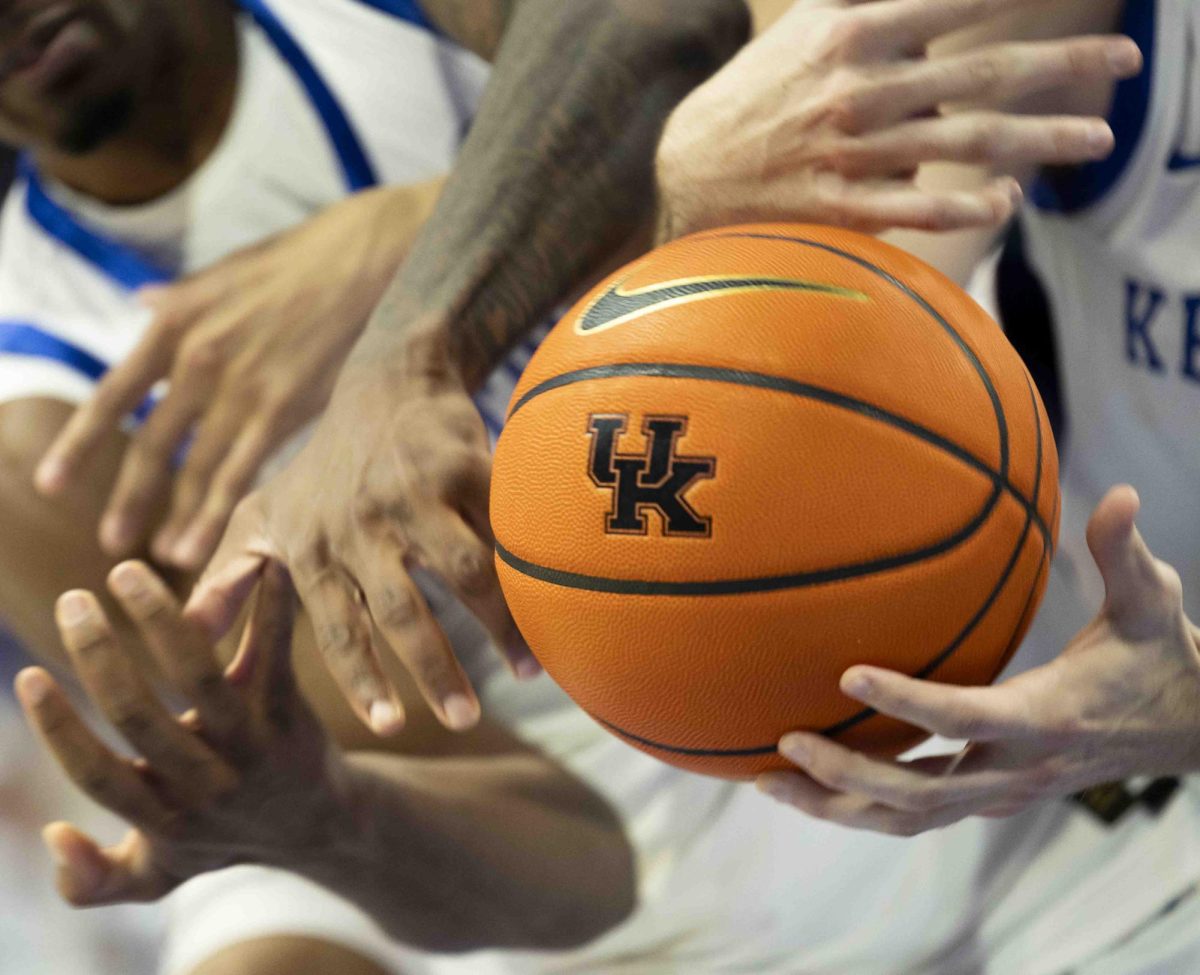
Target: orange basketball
(758, 456)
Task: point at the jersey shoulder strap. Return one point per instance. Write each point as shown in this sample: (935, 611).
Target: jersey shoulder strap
(406, 10)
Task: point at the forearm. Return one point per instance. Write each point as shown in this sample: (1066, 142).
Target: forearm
(557, 171)
(469, 853)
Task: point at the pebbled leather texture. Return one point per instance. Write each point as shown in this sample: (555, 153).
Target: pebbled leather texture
(883, 490)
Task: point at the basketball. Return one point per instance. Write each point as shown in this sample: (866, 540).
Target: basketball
(758, 456)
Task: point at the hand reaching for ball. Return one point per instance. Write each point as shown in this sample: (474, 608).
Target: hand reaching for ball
(1122, 700)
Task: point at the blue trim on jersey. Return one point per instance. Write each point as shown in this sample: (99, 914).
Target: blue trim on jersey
(28, 340)
(121, 263)
(357, 169)
(25, 339)
(1071, 190)
(408, 10)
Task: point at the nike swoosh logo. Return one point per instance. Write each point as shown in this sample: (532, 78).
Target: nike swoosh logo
(617, 305)
(1179, 162)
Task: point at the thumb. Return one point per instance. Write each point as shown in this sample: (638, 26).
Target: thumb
(89, 876)
(218, 598)
(1140, 591)
(264, 655)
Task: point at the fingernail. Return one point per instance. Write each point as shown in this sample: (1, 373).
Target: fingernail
(385, 718)
(34, 685)
(1124, 57)
(49, 475)
(113, 533)
(127, 580)
(187, 551)
(1100, 138)
(527, 668)
(794, 748)
(461, 712)
(856, 684)
(524, 664)
(74, 608)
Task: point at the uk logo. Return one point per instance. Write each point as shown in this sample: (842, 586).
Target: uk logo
(658, 479)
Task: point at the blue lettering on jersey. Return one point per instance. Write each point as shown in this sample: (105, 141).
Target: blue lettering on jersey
(1139, 317)
(1191, 336)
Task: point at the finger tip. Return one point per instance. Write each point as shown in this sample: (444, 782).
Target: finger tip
(794, 746)
(857, 681)
(461, 711)
(31, 686)
(527, 668)
(49, 478)
(73, 606)
(1126, 58)
(385, 718)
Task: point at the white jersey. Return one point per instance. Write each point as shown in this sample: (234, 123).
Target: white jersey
(1117, 248)
(729, 881)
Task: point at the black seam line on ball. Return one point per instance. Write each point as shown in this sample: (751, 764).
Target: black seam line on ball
(842, 726)
(997, 406)
(781, 384)
(845, 725)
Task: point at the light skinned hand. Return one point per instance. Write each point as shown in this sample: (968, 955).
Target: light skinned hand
(1121, 700)
(827, 116)
(251, 348)
(245, 776)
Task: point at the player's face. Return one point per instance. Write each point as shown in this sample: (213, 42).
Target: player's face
(67, 69)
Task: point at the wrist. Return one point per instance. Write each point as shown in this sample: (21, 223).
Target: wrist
(422, 355)
(338, 840)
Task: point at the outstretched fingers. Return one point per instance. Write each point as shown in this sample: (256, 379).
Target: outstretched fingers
(111, 781)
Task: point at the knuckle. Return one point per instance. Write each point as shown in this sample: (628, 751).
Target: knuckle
(153, 446)
(206, 684)
(200, 355)
(311, 558)
(980, 141)
(1082, 60)
(936, 215)
(1035, 783)
(367, 507)
(843, 157)
(130, 719)
(337, 639)
(985, 72)
(916, 799)
(1170, 583)
(472, 571)
(849, 106)
(968, 725)
(96, 783)
(850, 37)
(397, 609)
(833, 775)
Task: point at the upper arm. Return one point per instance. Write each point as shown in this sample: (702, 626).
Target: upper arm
(49, 544)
